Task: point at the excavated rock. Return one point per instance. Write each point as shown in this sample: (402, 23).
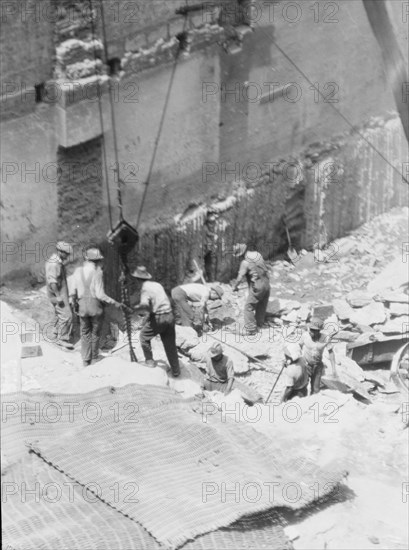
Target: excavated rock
(359, 298)
(342, 309)
(398, 325)
(397, 309)
(186, 338)
(372, 314)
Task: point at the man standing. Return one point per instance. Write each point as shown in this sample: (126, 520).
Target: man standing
(296, 373)
(314, 342)
(57, 292)
(88, 290)
(183, 295)
(219, 370)
(160, 319)
(255, 270)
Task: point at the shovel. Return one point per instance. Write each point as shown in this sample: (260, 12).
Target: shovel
(206, 319)
(291, 252)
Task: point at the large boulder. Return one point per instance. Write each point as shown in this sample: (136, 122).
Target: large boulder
(372, 314)
(359, 298)
(342, 309)
(186, 338)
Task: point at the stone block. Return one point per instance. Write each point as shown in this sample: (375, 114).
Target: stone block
(371, 314)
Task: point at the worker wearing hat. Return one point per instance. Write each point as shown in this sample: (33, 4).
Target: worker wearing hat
(296, 374)
(57, 292)
(313, 344)
(87, 291)
(160, 319)
(254, 269)
(219, 370)
(196, 293)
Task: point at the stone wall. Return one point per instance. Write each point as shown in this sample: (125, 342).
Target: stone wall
(241, 122)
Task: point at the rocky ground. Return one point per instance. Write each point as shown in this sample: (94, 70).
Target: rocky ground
(357, 285)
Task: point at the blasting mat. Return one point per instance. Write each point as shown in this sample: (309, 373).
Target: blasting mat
(180, 465)
(58, 513)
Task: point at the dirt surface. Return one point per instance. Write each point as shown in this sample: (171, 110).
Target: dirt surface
(369, 441)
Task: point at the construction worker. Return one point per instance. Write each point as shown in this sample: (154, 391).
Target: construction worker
(313, 345)
(296, 373)
(184, 295)
(160, 319)
(88, 298)
(219, 370)
(255, 270)
(57, 292)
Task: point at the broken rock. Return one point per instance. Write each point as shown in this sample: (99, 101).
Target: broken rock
(398, 325)
(342, 309)
(359, 298)
(186, 338)
(397, 309)
(372, 314)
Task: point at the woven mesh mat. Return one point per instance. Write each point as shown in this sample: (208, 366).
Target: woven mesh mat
(33, 522)
(166, 453)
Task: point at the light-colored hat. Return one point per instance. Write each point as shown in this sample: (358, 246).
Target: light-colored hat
(239, 249)
(215, 349)
(316, 324)
(218, 289)
(65, 247)
(93, 255)
(141, 273)
(293, 351)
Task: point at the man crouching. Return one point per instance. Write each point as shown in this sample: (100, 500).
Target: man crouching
(296, 373)
(219, 370)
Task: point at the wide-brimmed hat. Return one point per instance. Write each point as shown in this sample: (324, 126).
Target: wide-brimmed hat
(218, 289)
(215, 349)
(141, 273)
(64, 247)
(316, 324)
(293, 351)
(93, 255)
(239, 249)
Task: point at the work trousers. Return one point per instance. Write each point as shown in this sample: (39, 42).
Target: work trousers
(185, 314)
(90, 327)
(302, 392)
(164, 325)
(256, 306)
(63, 322)
(315, 374)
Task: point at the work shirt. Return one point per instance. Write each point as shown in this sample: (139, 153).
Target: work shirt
(313, 351)
(219, 371)
(55, 273)
(88, 281)
(196, 292)
(254, 269)
(154, 296)
(297, 374)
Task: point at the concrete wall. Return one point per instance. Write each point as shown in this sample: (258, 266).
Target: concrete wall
(251, 143)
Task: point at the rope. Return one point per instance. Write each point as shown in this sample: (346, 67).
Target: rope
(331, 105)
(165, 106)
(101, 118)
(113, 122)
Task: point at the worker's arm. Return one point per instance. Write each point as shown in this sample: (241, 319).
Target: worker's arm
(241, 275)
(230, 376)
(99, 292)
(229, 386)
(53, 275)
